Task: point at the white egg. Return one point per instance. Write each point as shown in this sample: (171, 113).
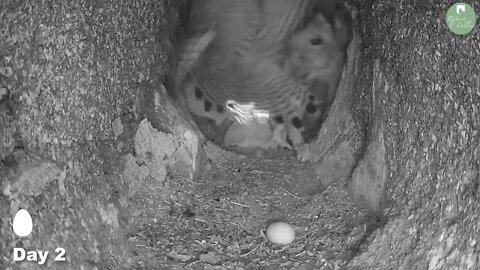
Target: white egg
(280, 233)
(22, 223)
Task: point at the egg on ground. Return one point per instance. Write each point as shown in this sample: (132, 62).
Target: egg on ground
(280, 233)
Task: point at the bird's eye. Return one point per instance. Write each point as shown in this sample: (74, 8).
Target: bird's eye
(316, 41)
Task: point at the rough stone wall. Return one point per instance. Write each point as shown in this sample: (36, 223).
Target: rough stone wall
(426, 80)
(69, 69)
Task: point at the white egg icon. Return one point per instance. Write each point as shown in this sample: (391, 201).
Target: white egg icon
(280, 233)
(22, 223)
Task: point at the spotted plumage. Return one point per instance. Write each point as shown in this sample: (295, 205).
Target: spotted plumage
(259, 60)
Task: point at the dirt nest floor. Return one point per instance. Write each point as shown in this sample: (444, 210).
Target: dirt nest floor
(218, 219)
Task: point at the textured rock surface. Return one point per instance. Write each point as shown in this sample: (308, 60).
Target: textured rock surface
(370, 176)
(430, 119)
(68, 70)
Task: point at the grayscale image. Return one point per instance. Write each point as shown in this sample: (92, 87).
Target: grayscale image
(239, 134)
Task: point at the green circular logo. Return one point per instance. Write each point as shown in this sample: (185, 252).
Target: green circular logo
(461, 18)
